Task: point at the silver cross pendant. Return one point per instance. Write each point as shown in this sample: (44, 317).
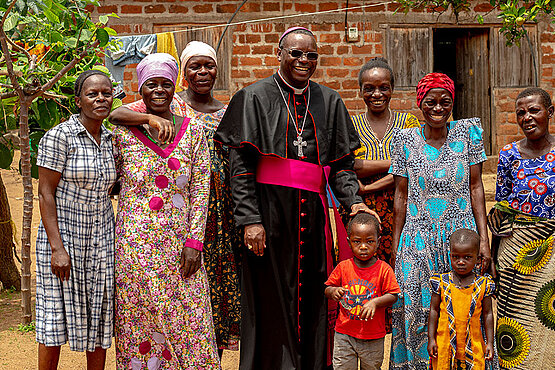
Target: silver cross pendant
(299, 143)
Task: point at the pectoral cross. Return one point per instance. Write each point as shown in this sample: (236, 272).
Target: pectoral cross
(299, 143)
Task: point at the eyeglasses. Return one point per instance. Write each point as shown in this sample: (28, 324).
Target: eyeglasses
(297, 54)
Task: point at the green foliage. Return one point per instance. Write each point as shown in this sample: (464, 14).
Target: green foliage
(53, 31)
(26, 328)
(514, 13)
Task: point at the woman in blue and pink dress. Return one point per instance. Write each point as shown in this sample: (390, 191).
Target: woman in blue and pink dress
(523, 225)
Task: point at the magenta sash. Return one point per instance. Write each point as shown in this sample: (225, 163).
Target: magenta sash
(310, 177)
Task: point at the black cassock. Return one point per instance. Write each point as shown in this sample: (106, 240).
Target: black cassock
(284, 310)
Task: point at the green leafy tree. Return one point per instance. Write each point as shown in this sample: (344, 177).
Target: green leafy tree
(514, 13)
(45, 44)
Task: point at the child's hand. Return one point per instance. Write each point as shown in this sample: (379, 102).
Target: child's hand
(432, 348)
(489, 351)
(368, 310)
(337, 293)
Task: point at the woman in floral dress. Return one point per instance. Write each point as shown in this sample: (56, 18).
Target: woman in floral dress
(523, 225)
(163, 315)
(438, 189)
(221, 241)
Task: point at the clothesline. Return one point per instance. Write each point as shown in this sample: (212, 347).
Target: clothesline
(284, 17)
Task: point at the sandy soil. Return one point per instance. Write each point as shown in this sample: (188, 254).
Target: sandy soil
(18, 350)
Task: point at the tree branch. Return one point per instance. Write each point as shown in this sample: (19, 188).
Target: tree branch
(6, 51)
(64, 70)
(52, 95)
(8, 95)
(6, 14)
(17, 47)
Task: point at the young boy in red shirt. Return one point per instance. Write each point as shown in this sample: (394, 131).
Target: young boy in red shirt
(364, 286)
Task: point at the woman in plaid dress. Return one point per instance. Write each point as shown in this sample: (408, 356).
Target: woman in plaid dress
(75, 241)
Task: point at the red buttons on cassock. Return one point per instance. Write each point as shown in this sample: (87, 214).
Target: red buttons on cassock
(301, 242)
(301, 256)
(303, 214)
(303, 200)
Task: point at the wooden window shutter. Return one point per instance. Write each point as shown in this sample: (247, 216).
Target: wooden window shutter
(211, 36)
(409, 53)
(513, 66)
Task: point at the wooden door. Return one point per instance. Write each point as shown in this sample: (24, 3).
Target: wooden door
(472, 88)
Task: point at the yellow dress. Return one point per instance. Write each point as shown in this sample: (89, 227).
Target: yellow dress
(460, 312)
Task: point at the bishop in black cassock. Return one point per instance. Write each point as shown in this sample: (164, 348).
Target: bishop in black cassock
(284, 311)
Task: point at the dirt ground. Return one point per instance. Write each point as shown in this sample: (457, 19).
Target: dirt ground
(18, 349)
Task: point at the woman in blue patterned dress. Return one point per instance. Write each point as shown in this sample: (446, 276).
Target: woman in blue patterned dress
(523, 225)
(75, 241)
(438, 189)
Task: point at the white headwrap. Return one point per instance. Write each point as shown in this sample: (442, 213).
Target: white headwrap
(195, 49)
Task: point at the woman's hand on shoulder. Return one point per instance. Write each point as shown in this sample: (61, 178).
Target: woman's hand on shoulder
(190, 262)
(166, 128)
(60, 263)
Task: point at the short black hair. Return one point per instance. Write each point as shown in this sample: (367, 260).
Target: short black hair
(533, 91)
(377, 62)
(363, 218)
(465, 236)
(80, 81)
(299, 31)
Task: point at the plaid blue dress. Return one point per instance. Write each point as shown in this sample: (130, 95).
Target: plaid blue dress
(79, 311)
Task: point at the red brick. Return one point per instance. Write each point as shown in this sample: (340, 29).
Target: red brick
(320, 27)
(373, 37)
(547, 72)
(122, 28)
(248, 61)
(89, 8)
(234, 61)
(272, 38)
(305, 8)
(134, 86)
(287, 6)
(330, 61)
(325, 50)
(337, 72)
(159, 8)
(327, 6)
(251, 7)
(349, 94)
(224, 98)
(263, 49)
(319, 73)
(342, 49)
(242, 39)
(240, 73)
(127, 76)
(330, 37)
(378, 49)
(375, 8)
(365, 49)
(280, 27)
(332, 84)
(241, 27)
(253, 38)
(131, 9)
(226, 8)
(485, 7)
(511, 117)
(271, 61)
(547, 37)
(352, 61)
(508, 129)
(174, 8)
(350, 84)
(393, 6)
(165, 1)
(263, 73)
(241, 49)
(107, 9)
(271, 7)
(546, 49)
(204, 8)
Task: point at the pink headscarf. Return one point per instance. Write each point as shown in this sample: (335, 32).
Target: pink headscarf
(157, 65)
(291, 30)
(432, 81)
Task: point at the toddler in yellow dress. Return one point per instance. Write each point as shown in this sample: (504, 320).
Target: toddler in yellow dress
(459, 299)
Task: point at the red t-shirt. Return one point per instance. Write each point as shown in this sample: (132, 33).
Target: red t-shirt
(363, 284)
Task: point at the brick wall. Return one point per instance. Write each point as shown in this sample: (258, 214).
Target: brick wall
(255, 44)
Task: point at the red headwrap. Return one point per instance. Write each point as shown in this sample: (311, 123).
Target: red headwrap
(432, 81)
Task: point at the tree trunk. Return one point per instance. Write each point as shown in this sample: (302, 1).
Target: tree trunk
(9, 276)
(27, 209)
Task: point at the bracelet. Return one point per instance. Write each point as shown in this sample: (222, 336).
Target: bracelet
(195, 244)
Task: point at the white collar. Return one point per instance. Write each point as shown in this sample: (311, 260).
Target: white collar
(295, 90)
